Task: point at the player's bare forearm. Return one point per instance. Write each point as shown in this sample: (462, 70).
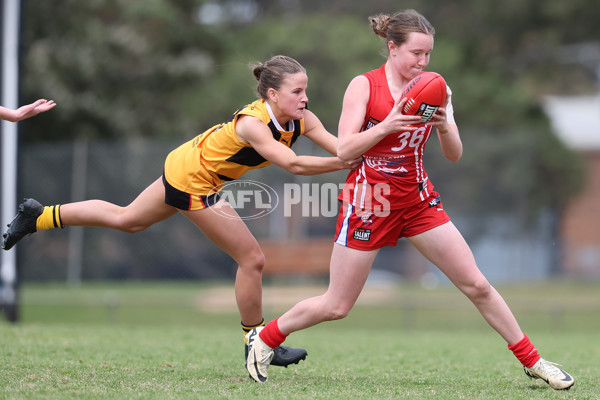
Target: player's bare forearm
(312, 165)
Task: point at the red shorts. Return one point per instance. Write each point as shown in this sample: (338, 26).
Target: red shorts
(364, 230)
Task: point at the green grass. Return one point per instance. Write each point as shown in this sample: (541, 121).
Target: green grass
(154, 341)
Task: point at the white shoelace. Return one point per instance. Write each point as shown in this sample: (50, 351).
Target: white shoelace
(549, 368)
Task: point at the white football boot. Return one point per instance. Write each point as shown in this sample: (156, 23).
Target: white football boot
(549, 372)
(259, 356)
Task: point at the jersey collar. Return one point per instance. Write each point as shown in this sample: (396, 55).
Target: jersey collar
(277, 124)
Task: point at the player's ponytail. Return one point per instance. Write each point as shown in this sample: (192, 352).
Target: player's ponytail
(379, 24)
(257, 69)
(397, 27)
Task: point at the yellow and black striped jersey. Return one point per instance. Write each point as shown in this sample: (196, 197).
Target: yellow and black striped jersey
(217, 155)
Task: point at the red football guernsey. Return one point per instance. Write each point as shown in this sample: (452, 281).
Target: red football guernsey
(392, 175)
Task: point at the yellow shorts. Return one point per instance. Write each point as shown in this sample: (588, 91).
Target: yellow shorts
(188, 185)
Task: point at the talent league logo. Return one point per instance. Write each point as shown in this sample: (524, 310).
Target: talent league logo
(362, 234)
(426, 111)
(250, 199)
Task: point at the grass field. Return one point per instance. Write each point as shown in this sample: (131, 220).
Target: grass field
(180, 341)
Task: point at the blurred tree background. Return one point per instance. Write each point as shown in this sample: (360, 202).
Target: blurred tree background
(166, 70)
(171, 68)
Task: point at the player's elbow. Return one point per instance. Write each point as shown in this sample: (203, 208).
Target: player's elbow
(344, 156)
(453, 153)
(295, 167)
(454, 157)
(344, 153)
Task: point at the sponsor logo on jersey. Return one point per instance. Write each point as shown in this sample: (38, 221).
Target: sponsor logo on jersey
(362, 234)
(387, 167)
(371, 123)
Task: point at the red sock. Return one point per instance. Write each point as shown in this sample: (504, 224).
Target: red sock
(525, 351)
(271, 334)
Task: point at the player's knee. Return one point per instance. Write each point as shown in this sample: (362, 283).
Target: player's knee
(254, 260)
(126, 223)
(337, 311)
(479, 290)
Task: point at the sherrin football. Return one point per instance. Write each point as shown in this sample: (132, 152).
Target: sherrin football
(426, 93)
